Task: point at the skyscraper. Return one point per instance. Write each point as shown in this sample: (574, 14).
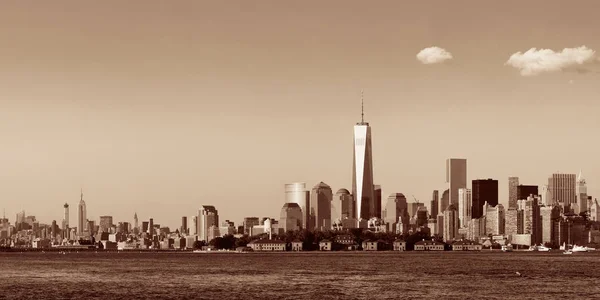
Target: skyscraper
(524, 191)
(65, 224)
(581, 191)
(464, 207)
(513, 182)
(362, 171)
(444, 202)
(377, 206)
(344, 205)
(290, 217)
(395, 208)
(106, 223)
(184, 225)
(562, 188)
(484, 190)
(297, 193)
(82, 221)
(207, 217)
(136, 227)
(321, 197)
(435, 200)
(450, 223)
(495, 219)
(456, 177)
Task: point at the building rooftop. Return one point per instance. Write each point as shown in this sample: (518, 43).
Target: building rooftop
(343, 192)
(266, 241)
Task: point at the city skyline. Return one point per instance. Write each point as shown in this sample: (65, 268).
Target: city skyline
(172, 126)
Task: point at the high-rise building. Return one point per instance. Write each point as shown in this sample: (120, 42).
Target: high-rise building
(65, 224)
(456, 177)
(136, 227)
(321, 197)
(145, 226)
(594, 210)
(582, 197)
(494, 219)
(562, 189)
(484, 190)
(548, 216)
(444, 202)
(362, 171)
(513, 182)
(344, 206)
(528, 218)
(207, 216)
(450, 223)
(435, 202)
(413, 207)
(465, 201)
(106, 223)
(422, 215)
(290, 217)
(151, 229)
(297, 193)
(377, 207)
(395, 208)
(510, 223)
(82, 220)
(250, 222)
(524, 191)
(184, 225)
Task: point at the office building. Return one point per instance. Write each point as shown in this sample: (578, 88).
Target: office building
(581, 192)
(494, 219)
(524, 191)
(65, 223)
(444, 202)
(321, 197)
(435, 200)
(456, 178)
(529, 218)
(250, 222)
(297, 193)
(513, 183)
(464, 207)
(208, 217)
(450, 223)
(377, 209)
(484, 190)
(510, 222)
(290, 217)
(396, 208)
(413, 207)
(362, 171)
(82, 217)
(562, 189)
(106, 223)
(344, 205)
(184, 225)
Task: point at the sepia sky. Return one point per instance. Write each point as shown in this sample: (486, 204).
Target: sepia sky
(159, 107)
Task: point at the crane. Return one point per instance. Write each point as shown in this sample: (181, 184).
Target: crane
(416, 201)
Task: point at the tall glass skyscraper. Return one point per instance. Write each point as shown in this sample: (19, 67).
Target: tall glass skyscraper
(297, 193)
(82, 221)
(362, 171)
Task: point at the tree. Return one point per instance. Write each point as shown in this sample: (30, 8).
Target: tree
(199, 244)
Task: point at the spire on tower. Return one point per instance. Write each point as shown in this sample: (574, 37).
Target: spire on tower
(362, 106)
(81, 194)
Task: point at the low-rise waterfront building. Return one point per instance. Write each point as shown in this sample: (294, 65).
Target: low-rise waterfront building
(429, 246)
(297, 245)
(325, 245)
(399, 245)
(267, 245)
(378, 245)
(466, 245)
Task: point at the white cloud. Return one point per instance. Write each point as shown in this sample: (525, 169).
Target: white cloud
(534, 61)
(433, 55)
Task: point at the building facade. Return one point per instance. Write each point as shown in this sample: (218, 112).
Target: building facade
(513, 183)
(290, 217)
(208, 217)
(562, 189)
(321, 198)
(363, 188)
(465, 202)
(484, 190)
(450, 223)
(456, 178)
(297, 193)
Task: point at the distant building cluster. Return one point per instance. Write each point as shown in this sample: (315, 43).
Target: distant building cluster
(562, 213)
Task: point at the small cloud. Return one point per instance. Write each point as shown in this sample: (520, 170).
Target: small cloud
(534, 61)
(433, 55)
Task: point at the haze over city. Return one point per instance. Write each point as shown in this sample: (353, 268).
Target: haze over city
(159, 109)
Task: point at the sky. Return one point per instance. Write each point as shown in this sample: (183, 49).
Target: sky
(160, 107)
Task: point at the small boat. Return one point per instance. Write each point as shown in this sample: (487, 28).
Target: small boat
(568, 252)
(590, 249)
(579, 248)
(532, 248)
(563, 247)
(507, 248)
(542, 248)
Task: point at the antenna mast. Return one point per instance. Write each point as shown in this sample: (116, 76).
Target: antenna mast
(362, 107)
